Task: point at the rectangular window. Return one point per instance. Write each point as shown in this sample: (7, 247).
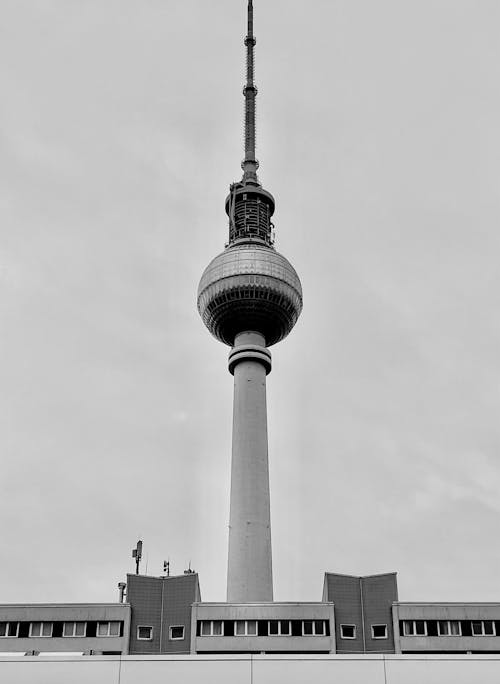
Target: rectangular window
(285, 628)
(443, 628)
(245, 627)
(483, 628)
(74, 629)
(488, 628)
(252, 627)
(176, 632)
(144, 633)
(313, 628)
(347, 631)
(319, 628)
(9, 629)
(274, 627)
(102, 629)
(108, 629)
(449, 628)
(212, 628)
(477, 628)
(40, 629)
(379, 631)
(414, 628)
(307, 628)
(282, 628)
(408, 628)
(420, 628)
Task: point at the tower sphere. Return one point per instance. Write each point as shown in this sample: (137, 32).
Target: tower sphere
(250, 287)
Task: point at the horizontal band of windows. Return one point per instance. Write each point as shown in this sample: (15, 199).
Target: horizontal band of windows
(449, 628)
(264, 628)
(58, 629)
(377, 631)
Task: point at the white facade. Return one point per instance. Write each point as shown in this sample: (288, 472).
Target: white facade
(269, 669)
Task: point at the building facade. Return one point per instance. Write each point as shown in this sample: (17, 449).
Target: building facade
(78, 628)
(165, 616)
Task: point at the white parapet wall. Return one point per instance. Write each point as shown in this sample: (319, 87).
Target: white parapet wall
(245, 669)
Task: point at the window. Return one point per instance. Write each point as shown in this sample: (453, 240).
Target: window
(211, 628)
(273, 628)
(449, 628)
(176, 632)
(144, 633)
(74, 629)
(483, 628)
(111, 628)
(279, 628)
(347, 631)
(245, 628)
(313, 628)
(379, 631)
(488, 628)
(414, 628)
(285, 628)
(41, 629)
(9, 629)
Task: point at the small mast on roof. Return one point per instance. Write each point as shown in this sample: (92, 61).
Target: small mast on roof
(248, 205)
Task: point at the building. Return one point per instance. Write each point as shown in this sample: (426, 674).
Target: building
(250, 297)
(78, 628)
(357, 616)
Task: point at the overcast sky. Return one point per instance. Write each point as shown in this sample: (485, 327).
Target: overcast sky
(378, 134)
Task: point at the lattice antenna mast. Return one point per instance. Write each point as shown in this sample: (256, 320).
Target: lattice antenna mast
(248, 205)
(250, 163)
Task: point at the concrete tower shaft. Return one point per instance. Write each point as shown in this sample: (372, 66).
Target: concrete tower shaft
(249, 571)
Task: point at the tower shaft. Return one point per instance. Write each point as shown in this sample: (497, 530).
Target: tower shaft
(249, 576)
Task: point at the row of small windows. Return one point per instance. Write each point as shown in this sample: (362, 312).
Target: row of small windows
(349, 631)
(263, 628)
(145, 633)
(24, 630)
(449, 627)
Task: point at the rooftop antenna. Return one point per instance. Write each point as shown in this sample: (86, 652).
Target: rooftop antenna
(250, 163)
(189, 571)
(137, 554)
(166, 567)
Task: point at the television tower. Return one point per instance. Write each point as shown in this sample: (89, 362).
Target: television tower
(249, 297)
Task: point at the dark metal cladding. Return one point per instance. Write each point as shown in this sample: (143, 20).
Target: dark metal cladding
(250, 209)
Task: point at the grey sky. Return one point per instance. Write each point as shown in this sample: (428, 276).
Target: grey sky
(378, 135)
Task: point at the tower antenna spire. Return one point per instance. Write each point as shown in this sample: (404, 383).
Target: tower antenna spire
(250, 163)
